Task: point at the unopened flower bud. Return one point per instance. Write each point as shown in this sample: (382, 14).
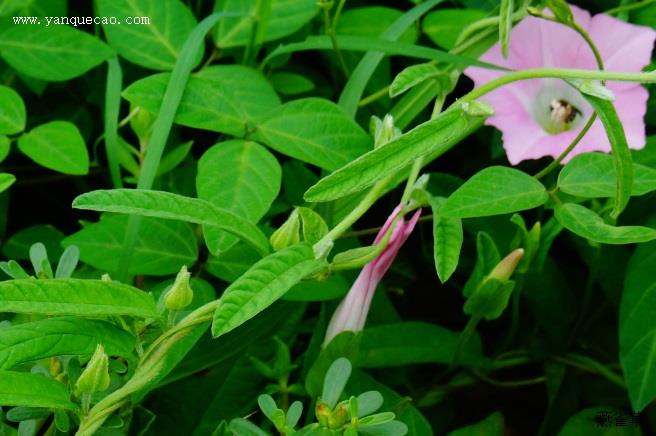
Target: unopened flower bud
(506, 267)
(289, 233)
(95, 377)
(180, 293)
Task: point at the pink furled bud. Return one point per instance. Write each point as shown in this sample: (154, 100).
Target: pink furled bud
(506, 267)
(351, 313)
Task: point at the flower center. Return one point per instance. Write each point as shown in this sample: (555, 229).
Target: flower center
(559, 108)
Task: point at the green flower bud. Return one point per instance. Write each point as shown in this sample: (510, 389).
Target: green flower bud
(95, 377)
(289, 233)
(180, 293)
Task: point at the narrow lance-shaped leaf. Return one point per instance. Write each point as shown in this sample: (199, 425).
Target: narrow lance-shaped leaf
(262, 285)
(61, 336)
(33, 390)
(74, 297)
(505, 25)
(623, 167)
(436, 135)
(587, 224)
(495, 191)
(160, 204)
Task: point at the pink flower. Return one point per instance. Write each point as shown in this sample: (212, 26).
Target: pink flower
(351, 313)
(541, 117)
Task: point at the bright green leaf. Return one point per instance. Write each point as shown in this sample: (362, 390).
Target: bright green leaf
(315, 131)
(33, 390)
(592, 175)
(6, 180)
(156, 44)
(587, 224)
(74, 297)
(264, 283)
(57, 145)
(444, 25)
(220, 98)
(447, 241)
(253, 176)
(61, 336)
(495, 191)
(53, 53)
(12, 112)
(160, 204)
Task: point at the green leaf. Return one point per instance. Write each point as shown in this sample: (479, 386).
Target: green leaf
(444, 25)
(434, 136)
(637, 330)
(6, 180)
(155, 45)
(587, 224)
(615, 131)
(315, 131)
(231, 264)
(57, 145)
(285, 18)
(5, 147)
(263, 284)
(253, 175)
(12, 112)
(160, 204)
(495, 191)
(61, 336)
(291, 83)
(243, 427)
(336, 378)
(410, 343)
(414, 75)
(490, 426)
(53, 53)
(220, 98)
(161, 246)
(505, 25)
(74, 297)
(18, 245)
(313, 225)
(489, 299)
(33, 390)
(447, 240)
(592, 175)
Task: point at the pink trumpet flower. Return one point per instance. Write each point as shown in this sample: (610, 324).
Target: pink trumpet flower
(351, 314)
(541, 117)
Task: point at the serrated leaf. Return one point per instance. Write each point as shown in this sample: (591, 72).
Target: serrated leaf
(160, 204)
(52, 53)
(315, 131)
(74, 297)
(61, 336)
(447, 241)
(221, 98)
(637, 330)
(435, 136)
(592, 175)
(12, 112)
(495, 191)
(285, 18)
(587, 224)
(161, 246)
(154, 45)
(621, 153)
(263, 284)
(57, 145)
(33, 390)
(253, 176)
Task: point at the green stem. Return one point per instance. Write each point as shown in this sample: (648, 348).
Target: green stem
(375, 96)
(588, 364)
(412, 178)
(627, 8)
(509, 384)
(558, 73)
(112, 109)
(556, 163)
(330, 31)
